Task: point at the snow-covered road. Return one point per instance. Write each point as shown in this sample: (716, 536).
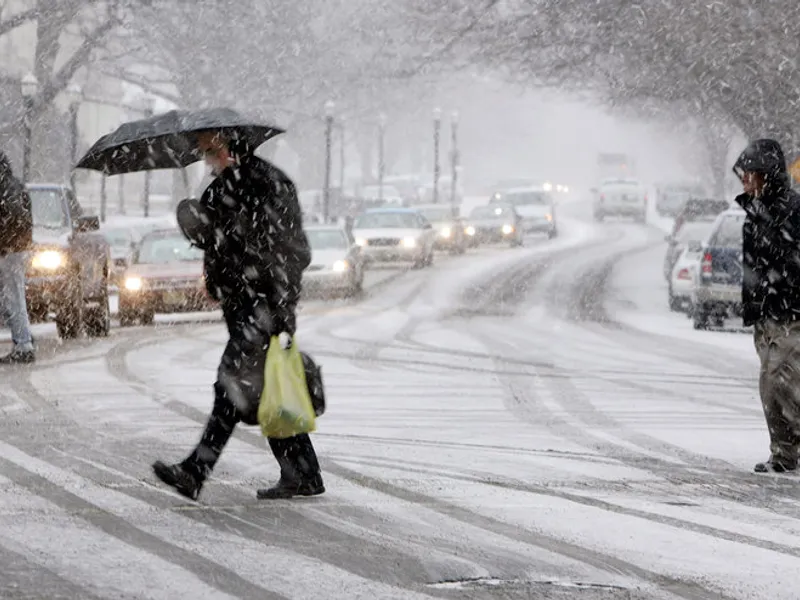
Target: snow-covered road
(528, 423)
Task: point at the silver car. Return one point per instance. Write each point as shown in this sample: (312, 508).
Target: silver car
(395, 235)
(337, 262)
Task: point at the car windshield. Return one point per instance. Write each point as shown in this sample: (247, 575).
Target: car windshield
(387, 220)
(729, 233)
(694, 232)
(327, 239)
(526, 198)
(437, 214)
(118, 238)
(161, 249)
(490, 212)
(47, 207)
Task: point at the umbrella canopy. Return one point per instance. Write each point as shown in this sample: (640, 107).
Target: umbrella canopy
(166, 141)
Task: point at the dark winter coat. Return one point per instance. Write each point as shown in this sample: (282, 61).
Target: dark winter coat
(16, 223)
(255, 263)
(771, 238)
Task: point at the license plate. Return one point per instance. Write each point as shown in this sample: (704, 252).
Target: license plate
(174, 298)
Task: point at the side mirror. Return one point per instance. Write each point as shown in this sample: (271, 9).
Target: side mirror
(694, 246)
(85, 224)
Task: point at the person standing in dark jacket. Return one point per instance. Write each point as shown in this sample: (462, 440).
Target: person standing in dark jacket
(16, 237)
(254, 258)
(771, 293)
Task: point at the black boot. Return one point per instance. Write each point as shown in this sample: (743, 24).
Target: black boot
(776, 464)
(178, 477)
(300, 473)
(18, 357)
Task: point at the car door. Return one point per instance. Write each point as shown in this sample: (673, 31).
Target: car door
(89, 248)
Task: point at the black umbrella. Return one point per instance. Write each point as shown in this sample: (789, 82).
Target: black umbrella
(166, 141)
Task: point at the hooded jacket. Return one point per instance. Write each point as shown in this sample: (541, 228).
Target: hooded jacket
(771, 238)
(255, 261)
(16, 224)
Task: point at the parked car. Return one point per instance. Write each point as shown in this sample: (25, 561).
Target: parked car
(69, 266)
(395, 234)
(696, 231)
(671, 198)
(717, 292)
(700, 209)
(495, 223)
(449, 226)
(122, 242)
(166, 276)
(620, 198)
(535, 207)
(337, 263)
(684, 275)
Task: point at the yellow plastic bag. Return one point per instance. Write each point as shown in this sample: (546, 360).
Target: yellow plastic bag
(285, 407)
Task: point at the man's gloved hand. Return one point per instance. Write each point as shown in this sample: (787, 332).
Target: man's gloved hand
(285, 340)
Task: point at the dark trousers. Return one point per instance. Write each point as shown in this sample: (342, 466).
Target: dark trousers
(778, 346)
(237, 392)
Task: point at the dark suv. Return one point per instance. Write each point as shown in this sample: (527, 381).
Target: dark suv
(69, 264)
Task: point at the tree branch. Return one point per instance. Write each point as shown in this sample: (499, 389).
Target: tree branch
(17, 20)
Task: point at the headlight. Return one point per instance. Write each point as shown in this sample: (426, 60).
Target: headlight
(133, 284)
(361, 241)
(549, 217)
(559, 188)
(49, 260)
(507, 229)
(566, 189)
(340, 266)
(470, 230)
(409, 242)
(446, 232)
(547, 187)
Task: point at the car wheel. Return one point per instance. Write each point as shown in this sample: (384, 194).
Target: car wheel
(598, 217)
(552, 234)
(674, 303)
(98, 318)
(429, 259)
(126, 319)
(700, 317)
(69, 315)
(147, 318)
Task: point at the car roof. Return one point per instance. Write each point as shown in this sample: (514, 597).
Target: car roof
(446, 206)
(410, 211)
(46, 186)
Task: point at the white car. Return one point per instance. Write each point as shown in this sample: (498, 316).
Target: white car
(683, 277)
(535, 206)
(337, 263)
(620, 198)
(395, 234)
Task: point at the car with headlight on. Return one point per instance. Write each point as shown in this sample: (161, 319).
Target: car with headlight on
(165, 276)
(122, 242)
(449, 227)
(69, 265)
(535, 206)
(337, 263)
(494, 224)
(395, 235)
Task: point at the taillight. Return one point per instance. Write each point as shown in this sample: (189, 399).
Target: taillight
(684, 274)
(706, 265)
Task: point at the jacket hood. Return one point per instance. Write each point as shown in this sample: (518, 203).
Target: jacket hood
(764, 156)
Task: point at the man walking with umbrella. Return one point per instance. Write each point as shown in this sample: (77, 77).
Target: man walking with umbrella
(255, 253)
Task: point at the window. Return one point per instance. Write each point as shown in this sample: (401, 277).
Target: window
(161, 249)
(729, 233)
(694, 231)
(387, 220)
(327, 239)
(490, 212)
(527, 198)
(47, 207)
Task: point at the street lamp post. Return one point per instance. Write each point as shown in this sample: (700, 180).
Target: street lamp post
(30, 87)
(341, 155)
(148, 112)
(381, 156)
(326, 190)
(74, 95)
(437, 127)
(454, 160)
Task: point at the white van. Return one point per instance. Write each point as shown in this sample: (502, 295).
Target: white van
(620, 198)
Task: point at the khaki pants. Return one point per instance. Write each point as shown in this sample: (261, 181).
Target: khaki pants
(778, 347)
